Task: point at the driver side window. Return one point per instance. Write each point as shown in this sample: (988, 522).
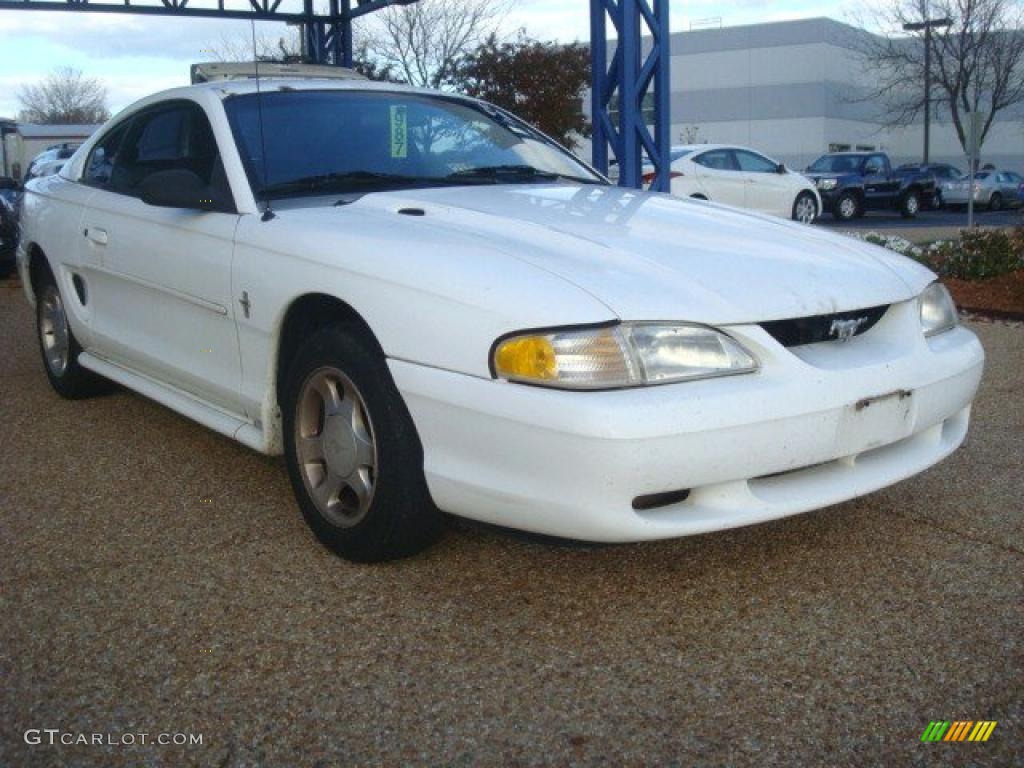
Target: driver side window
(751, 162)
(169, 137)
(101, 160)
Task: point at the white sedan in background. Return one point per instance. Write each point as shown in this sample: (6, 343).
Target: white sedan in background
(742, 178)
(473, 320)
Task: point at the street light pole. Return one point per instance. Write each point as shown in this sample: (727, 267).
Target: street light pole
(927, 25)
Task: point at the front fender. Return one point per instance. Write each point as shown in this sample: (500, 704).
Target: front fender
(430, 297)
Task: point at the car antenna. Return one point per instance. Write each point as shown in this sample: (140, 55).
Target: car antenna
(268, 212)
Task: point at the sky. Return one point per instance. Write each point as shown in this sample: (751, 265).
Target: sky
(138, 55)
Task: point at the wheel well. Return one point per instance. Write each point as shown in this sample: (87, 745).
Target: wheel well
(38, 267)
(699, 196)
(304, 316)
(854, 192)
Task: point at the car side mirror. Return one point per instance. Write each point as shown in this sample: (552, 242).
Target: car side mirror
(780, 168)
(181, 188)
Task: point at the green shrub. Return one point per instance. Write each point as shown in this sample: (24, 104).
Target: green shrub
(979, 254)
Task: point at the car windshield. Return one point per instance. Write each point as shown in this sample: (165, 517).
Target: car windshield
(836, 163)
(345, 141)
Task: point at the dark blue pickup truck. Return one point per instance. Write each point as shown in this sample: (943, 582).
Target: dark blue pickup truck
(851, 183)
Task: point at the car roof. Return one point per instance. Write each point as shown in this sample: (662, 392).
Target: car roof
(225, 88)
(706, 147)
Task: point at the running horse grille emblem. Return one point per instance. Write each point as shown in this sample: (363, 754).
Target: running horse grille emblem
(844, 330)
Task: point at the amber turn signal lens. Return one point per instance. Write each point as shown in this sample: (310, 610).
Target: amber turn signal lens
(526, 358)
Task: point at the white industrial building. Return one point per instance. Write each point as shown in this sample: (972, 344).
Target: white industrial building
(20, 142)
(791, 88)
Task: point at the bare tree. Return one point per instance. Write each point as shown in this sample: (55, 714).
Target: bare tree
(66, 95)
(422, 42)
(977, 63)
(288, 48)
(239, 47)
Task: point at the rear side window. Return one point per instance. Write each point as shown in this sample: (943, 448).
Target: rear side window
(718, 160)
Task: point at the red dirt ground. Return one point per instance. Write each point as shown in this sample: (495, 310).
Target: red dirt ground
(1003, 294)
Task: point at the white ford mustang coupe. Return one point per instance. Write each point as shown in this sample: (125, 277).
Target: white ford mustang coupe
(427, 305)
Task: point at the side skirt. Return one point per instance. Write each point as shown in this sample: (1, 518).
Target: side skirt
(187, 405)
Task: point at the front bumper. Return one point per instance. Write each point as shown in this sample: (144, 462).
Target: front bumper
(749, 448)
(828, 198)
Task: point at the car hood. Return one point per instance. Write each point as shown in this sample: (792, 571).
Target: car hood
(843, 175)
(650, 256)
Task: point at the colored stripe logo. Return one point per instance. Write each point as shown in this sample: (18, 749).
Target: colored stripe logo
(958, 730)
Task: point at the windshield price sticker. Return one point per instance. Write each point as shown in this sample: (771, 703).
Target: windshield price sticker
(399, 132)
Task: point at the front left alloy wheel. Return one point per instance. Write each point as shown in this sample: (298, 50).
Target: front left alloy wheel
(354, 457)
(805, 209)
(60, 348)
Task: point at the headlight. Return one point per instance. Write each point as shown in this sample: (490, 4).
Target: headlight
(827, 183)
(627, 355)
(938, 312)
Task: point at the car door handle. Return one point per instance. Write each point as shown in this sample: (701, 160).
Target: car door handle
(97, 235)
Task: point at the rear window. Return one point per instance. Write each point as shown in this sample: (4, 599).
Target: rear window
(718, 160)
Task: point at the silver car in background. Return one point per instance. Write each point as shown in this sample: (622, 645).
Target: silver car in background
(993, 190)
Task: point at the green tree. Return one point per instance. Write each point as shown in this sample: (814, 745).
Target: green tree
(541, 82)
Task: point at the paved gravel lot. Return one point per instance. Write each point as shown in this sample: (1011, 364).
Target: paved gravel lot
(158, 578)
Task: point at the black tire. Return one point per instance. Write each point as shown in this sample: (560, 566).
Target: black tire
(400, 519)
(995, 203)
(847, 207)
(910, 205)
(68, 379)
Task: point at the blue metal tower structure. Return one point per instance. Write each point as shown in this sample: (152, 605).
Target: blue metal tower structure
(327, 34)
(635, 76)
